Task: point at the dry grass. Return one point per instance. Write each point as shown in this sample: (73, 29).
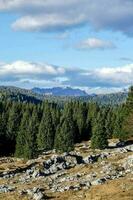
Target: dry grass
(121, 189)
(114, 190)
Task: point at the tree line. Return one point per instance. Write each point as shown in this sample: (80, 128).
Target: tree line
(23, 95)
(27, 128)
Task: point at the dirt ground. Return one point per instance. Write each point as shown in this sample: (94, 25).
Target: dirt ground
(118, 189)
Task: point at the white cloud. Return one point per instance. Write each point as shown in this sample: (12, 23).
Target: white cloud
(21, 68)
(57, 15)
(95, 43)
(111, 77)
(34, 4)
(119, 74)
(47, 22)
(28, 74)
(103, 90)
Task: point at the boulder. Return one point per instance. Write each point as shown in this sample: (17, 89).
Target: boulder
(98, 181)
(38, 196)
(130, 148)
(128, 162)
(121, 144)
(36, 174)
(6, 188)
(91, 159)
(85, 184)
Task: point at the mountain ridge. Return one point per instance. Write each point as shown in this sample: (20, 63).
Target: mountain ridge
(28, 95)
(60, 91)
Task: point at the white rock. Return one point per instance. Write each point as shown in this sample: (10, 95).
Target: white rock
(38, 196)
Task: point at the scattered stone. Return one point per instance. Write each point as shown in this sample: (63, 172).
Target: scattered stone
(130, 148)
(54, 173)
(6, 188)
(35, 193)
(128, 162)
(98, 181)
(120, 144)
(85, 184)
(38, 196)
(22, 192)
(91, 159)
(29, 171)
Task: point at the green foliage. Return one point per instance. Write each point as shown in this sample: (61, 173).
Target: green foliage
(110, 117)
(45, 138)
(64, 140)
(99, 137)
(32, 135)
(128, 126)
(22, 140)
(23, 95)
(93, 109)
(80, 117)
(118, 132)
(127, 123)
(129, 102)
(14, 120)
(26, 139)
(27, 126)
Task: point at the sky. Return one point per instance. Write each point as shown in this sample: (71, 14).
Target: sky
(85, 44)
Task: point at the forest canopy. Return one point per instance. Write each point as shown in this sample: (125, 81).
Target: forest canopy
(27, 128)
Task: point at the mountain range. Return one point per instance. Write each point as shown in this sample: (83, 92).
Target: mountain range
(59, 91)
(59, 95)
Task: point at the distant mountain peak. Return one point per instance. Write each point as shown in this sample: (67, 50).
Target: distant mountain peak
(60, 91)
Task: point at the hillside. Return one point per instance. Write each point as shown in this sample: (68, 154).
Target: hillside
(18, 94)
(81, 174)
(105, 99)
(38, 95)
(78, 151)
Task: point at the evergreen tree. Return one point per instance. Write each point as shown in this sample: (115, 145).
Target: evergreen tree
(129, 101)
(121, 114)
(109, 122)
(55, 112)
(4, 143)
(127, 126)
(45, 138)
(14, 121)
(99, 137)
(80, 116)
(22, 137)
(31, 136)
(31, 126)
(64, 140)
(127, 122)
(93, 109)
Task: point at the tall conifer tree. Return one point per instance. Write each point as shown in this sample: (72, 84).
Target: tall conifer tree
(64, 140)
(22, 137)
(45, 138)
(99, 137)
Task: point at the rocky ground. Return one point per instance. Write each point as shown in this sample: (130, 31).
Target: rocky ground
(83, 173)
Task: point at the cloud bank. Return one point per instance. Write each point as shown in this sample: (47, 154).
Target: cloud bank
(95, 43)
(58, 15)
(27, 74)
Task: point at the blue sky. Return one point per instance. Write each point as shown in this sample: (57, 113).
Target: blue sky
(92, 41)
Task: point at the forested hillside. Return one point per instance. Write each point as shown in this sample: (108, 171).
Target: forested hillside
(18, 94)
(23, 95)
(106, 99)
(27, 128)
